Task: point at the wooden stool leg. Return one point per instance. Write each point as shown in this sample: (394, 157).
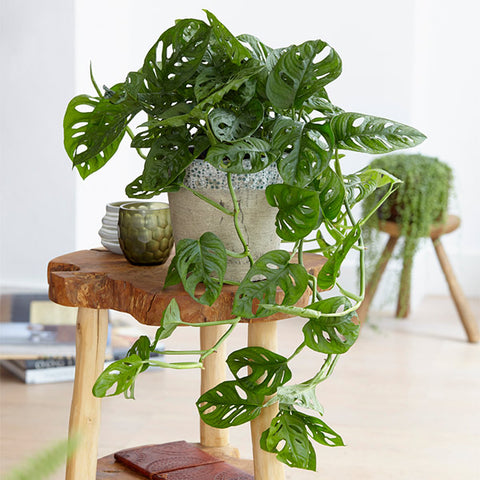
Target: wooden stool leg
(91, 340)
(372, 286)
(403, 304)
(266, 466)
(212, 374)
(463, 308)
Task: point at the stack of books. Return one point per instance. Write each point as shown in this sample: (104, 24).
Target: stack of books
(37, 340)
(50, 369)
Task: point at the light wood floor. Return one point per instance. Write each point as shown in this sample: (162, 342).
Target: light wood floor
(406, 400)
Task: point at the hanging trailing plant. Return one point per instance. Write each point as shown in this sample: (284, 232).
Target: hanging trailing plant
(420, 201)
(242, 106)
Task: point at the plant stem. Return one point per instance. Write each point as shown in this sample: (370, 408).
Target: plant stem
(392, 188)
(306, 312)
(132, 136)
(233, 321)
(348, 294)
(326, 370)
(221, 339)
(297, 351)
(236, 255)
(300, 252)
(179, 352)
(313, 286)
(94, 83)
(211, 202)
(236, 212)
(361, 296)
(176, 365)
(208, 131)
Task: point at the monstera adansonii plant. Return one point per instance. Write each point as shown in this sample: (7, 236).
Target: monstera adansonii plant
(241, 106)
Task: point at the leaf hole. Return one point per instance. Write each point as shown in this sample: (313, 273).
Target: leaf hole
(340, 336)
(323, 54)
(241, 393)
(243, 372)
(358, 121)
(272, 266)
(80, 149)
(168, 51)
(258, 278)
(84, 108)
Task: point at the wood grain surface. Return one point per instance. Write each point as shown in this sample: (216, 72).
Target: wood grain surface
(102, 280)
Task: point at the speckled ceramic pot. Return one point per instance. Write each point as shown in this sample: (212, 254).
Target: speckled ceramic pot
(145, 232)
(191, 217)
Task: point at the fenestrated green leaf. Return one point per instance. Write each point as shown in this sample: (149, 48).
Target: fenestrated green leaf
(302, 395)
(141, 347)
(170, 321)
(136, 189)
(287, 437)
(228, 405)
(168, 157)
(259, 49)
(301, 71)
(363, 183)
(243, 156)
(319, 431)
(331, 192)
(303, 150)
(268, 370)
(182, 49)
(369, 134)
(331, 335)
(337, 304)
(211, 86)
(230, 44)
(331, 270)
(201, 261)
(319, 102)
(271, 271)
(228, 125)
(326, 339)
(93, 129)
(298, 210)
(122, 373)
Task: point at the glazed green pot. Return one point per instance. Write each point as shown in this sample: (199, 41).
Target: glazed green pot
(145, 232)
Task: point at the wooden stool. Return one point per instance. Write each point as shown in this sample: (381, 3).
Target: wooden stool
(436, 231)
(97, 280)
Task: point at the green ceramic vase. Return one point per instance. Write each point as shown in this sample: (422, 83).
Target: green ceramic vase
(145, 232)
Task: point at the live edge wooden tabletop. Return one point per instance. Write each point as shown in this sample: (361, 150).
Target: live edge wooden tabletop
(100, 279)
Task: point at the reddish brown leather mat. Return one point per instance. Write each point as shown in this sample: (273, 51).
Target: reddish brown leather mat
(149, 460)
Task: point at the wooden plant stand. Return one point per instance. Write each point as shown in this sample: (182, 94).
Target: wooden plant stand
(403, 305)
(96, 281)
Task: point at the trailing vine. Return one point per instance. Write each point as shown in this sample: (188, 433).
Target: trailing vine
(420, 201)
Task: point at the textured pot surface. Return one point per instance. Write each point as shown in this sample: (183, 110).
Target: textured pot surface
(109, 231)
(191, 217)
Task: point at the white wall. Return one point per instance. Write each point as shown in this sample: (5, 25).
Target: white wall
(446, 99)
(414, 61)
(37, 186)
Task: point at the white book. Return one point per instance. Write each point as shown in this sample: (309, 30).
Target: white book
(40, 375)
(51, 374)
